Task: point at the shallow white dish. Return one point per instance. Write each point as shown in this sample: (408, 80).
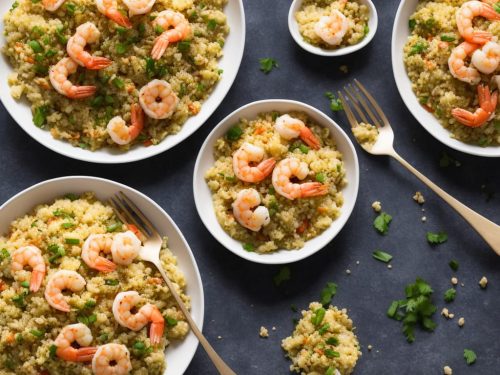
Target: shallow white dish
(230, 63)
(205, 160)
(400, 33)
(294, 30)
(178, 354)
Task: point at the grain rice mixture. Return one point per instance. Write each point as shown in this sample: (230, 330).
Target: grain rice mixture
(36, 39)
(434, 34)
(323, 341)
(292, 222)
(29, 325)
(311, 11)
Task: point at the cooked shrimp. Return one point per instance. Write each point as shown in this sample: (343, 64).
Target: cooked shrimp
(29, 256)
(123, 304)
(52, 5)
(456, 63)
(59, 281)
(80, 333)
(86, 33)
(288, 168)
(242, 210)
(332, 28)
(110, 9)
(176, 28)
(243, 159)
(93, 246)
(487, 105)
(125, 247)
(58, 75)
(486, 58)
(158, 100)
(138, 6)
(111, 359)
(465, 15)
(122, 134)
(289, 128)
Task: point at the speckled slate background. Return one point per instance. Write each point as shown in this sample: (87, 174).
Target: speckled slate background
(240, 296)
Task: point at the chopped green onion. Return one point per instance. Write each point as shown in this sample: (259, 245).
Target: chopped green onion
(35, 46)
(72, 241)
(97, 101)
(417, 48)
(171, 321)
(40, 116)
(118, 83)
(37, 333)
(184, 45)
(331, 353)
(318, 316)
(121, 48)
(412, 23)
(437, 238)
(120, 30)
(249, 247)
(332, 341)
(19, 337)
(323, 329)
(211, 24)
(60, 36)
(72, 197)
(335, 103)
(89, 304)
(320, 177)
(158, 29)
(114, 227)
(67, 225)
(447, 38)
(382, 256)
(52, 351)
(303, 148)
(329, 371)
(112, 282)
(25, 284)
(453, 265)
(70, 8)
(234, 133)
(103, 337)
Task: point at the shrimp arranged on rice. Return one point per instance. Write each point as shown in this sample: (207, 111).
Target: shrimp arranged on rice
(176, 28)
(58, 75)
(246, 200)
(111, 359)
(59, 281)
(70, 334)
(85, 34)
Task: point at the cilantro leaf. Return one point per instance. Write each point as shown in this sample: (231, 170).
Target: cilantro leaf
(437, 238)
(335, 103)
(381, 222)
(328, 293)
(267, 64)
(450, 295)
(470, 356)
(453, 265)
(282, 276)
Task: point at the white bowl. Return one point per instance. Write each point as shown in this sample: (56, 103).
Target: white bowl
(400, 33)
(205, 160)
(178, 354)
(230, 63)
(294, 30)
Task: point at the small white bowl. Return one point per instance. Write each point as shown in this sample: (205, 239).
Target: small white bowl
(294, 30)
(205, 160)
(400, 33)
(179, 353)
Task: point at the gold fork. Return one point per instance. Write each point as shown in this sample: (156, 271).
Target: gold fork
(129, 213)
(357, 97)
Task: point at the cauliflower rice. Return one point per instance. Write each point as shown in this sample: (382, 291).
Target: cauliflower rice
(312, 10)
(323, 345)
(292, 221)
(190, 66)
(434, 34)
(29, 326)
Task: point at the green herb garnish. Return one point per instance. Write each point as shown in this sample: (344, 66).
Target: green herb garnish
(450, 295)
(453, 265)
(118, 83)
(121, 48)
(70, 8)
(496, 6)
(52, 351)
(335, 103)
(328, 293)
(171, 321)
(248, 247)
(382, 256)
(318, 316)
(234, 133)
(72, 241)
(40, 115)
(267, 64)
(329, 371)
(412, 23)
(114, 227)
(283, 275)
(72, 197)
(35, 46)
(184, 45)
(332, 341)
(381, 222)
(469, 355)
(323, 329)
(37, 333)
(437, 238)
(112, 282)
(331, 353)
(25, 284)
(4, 254)
(89, 304)
(103, 338)
(320, 177)
(447, 38)
(418, 47)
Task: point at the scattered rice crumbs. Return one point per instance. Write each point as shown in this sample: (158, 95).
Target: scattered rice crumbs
(454, 281)
(447, 370)
(274, 328)
(446, 313)
(219, 337)
(348, 271)
(377, 206)
(483, 282)
(370, 347)
(461, 322)
(424, 219)
(419, 198)
(344, 69)
(264, 333)
(389, 266)
(357, 262)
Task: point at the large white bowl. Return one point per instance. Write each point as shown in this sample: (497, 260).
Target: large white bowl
(205, 160)
(294, 30)
(400, 33)
(230, 63)
(178, 354)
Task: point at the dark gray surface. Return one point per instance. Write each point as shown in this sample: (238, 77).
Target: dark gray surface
(240, 296)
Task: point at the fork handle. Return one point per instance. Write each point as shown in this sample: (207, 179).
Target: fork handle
(486, 228)
(221, 366)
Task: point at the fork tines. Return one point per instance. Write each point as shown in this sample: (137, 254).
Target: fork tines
(129, 213)
(358, 98)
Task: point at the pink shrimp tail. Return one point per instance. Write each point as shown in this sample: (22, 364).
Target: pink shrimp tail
(309, 138)
(480, 37)
(119, 18)
(104, 265)
(157, 326)
(137, 121)
(266, 167)
(313, 189)
(97, 63)
(159, 48)
(82, 92)
(84, 354)
(36, 280)
(487, 103)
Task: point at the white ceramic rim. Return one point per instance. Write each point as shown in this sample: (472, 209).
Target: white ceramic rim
(400, 33)
(203, 196)
(190, 339)
(294, 31)
(230, 63)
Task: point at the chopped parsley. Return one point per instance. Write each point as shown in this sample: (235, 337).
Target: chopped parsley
(121, 48)
(88, 320)
(211, 24)
(57, 252)
(248, 247)
(70, 8)
(412, 23)
(267, 64)
(283, 275)
(381, 222)
(450, 295)
(335, 103)
(19, 299)
(453, 265)
(382, 256)
(417, 308)
(184, 45)
(418, 47)
(60, 36)
(52, 351)
(89, 304)
(437, 238)
(15, 4)
(470, 356)
(103, 338)
(234, 133)
(328, 293)
(154, 70)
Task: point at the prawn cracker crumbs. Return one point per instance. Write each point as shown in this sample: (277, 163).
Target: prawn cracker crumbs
(353, 15)
(323, 340)
(34, 324)
(286, 223)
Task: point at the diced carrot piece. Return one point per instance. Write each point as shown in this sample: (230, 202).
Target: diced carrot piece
(148, 143)
(302, 227)
(259, 130)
